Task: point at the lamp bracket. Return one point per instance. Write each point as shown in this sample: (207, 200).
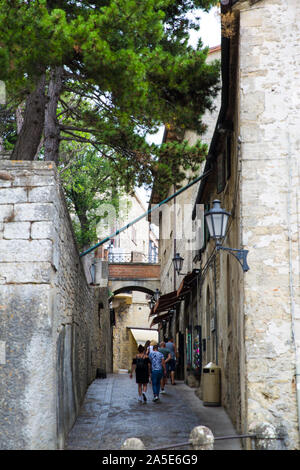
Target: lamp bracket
(240, 255)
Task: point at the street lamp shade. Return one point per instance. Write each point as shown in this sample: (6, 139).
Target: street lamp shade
(156, 294)
(216, 220)
(178, 262)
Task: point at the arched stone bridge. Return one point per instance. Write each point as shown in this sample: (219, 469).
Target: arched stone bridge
(124, 277)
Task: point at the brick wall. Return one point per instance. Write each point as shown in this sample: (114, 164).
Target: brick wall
(134, 271)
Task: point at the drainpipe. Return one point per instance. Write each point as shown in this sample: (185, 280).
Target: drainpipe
(291, 281)
(215, 313)
(174, 234)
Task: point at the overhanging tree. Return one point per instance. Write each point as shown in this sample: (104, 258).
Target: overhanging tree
(128, 60)
(89, 180)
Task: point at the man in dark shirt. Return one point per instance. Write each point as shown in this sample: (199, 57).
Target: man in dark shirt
(172, 362)
(167, 356)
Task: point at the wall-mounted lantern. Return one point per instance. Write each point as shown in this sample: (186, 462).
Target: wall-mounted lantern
(156, 295)
(216, 220)
(178, 262)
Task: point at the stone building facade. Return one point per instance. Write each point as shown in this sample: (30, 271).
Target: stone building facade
(51, 319)
(131, 328)
(177, 234)
(249, 322)
(138, 242)
(133, 259)
(267, 121)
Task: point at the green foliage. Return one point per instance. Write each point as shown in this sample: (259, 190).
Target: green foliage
(128, 69)
(134, 53)
(168, 171)
(88, 182)
(8, 131)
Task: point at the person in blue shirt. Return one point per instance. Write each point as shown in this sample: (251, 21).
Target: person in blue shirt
(158, 368)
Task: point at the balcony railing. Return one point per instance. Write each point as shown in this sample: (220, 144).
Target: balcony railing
(133, 257)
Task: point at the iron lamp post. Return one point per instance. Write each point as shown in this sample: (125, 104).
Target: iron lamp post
(216, 220)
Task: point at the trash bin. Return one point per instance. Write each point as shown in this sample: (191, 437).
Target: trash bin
(211, 385)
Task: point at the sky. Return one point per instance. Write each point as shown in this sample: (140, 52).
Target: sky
(210, 32)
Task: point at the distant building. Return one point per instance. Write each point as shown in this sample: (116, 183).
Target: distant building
(178, 235)
(138, 244)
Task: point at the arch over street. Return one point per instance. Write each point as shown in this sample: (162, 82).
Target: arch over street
(125, 277)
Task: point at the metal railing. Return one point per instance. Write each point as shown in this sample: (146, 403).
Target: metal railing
(132, 258)
(202, 438)
(216, 438)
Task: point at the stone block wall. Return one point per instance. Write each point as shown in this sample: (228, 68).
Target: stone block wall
(269, 102)
(49, 315)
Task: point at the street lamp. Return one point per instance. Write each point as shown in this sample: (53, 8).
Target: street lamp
(151, 303)
(171, 312)
(216, 220)
(178, 262)
(156, 294)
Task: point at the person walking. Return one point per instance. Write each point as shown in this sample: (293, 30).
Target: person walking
(170, 345)
(150, 348)
(141, 366)
(158, 368)
(146, 347)
(167, 357)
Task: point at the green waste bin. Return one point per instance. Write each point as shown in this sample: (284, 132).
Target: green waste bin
(211, 385)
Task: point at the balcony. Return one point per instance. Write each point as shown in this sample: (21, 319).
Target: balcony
(132, 257)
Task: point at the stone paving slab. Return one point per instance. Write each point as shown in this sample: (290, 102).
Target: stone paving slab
(111, 413)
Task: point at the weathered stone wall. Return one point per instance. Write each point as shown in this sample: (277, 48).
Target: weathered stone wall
(176, 215)
(49, 314)
(220, 299)
(178, 235)
(131, 310)
(269, 102)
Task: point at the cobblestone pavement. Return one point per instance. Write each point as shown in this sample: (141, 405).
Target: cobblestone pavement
(111, 413)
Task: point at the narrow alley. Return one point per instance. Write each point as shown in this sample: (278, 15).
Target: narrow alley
(111, 413)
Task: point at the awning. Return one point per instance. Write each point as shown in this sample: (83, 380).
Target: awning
(142, 335)
(167, 301)
(187, 283)
(160, 318)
